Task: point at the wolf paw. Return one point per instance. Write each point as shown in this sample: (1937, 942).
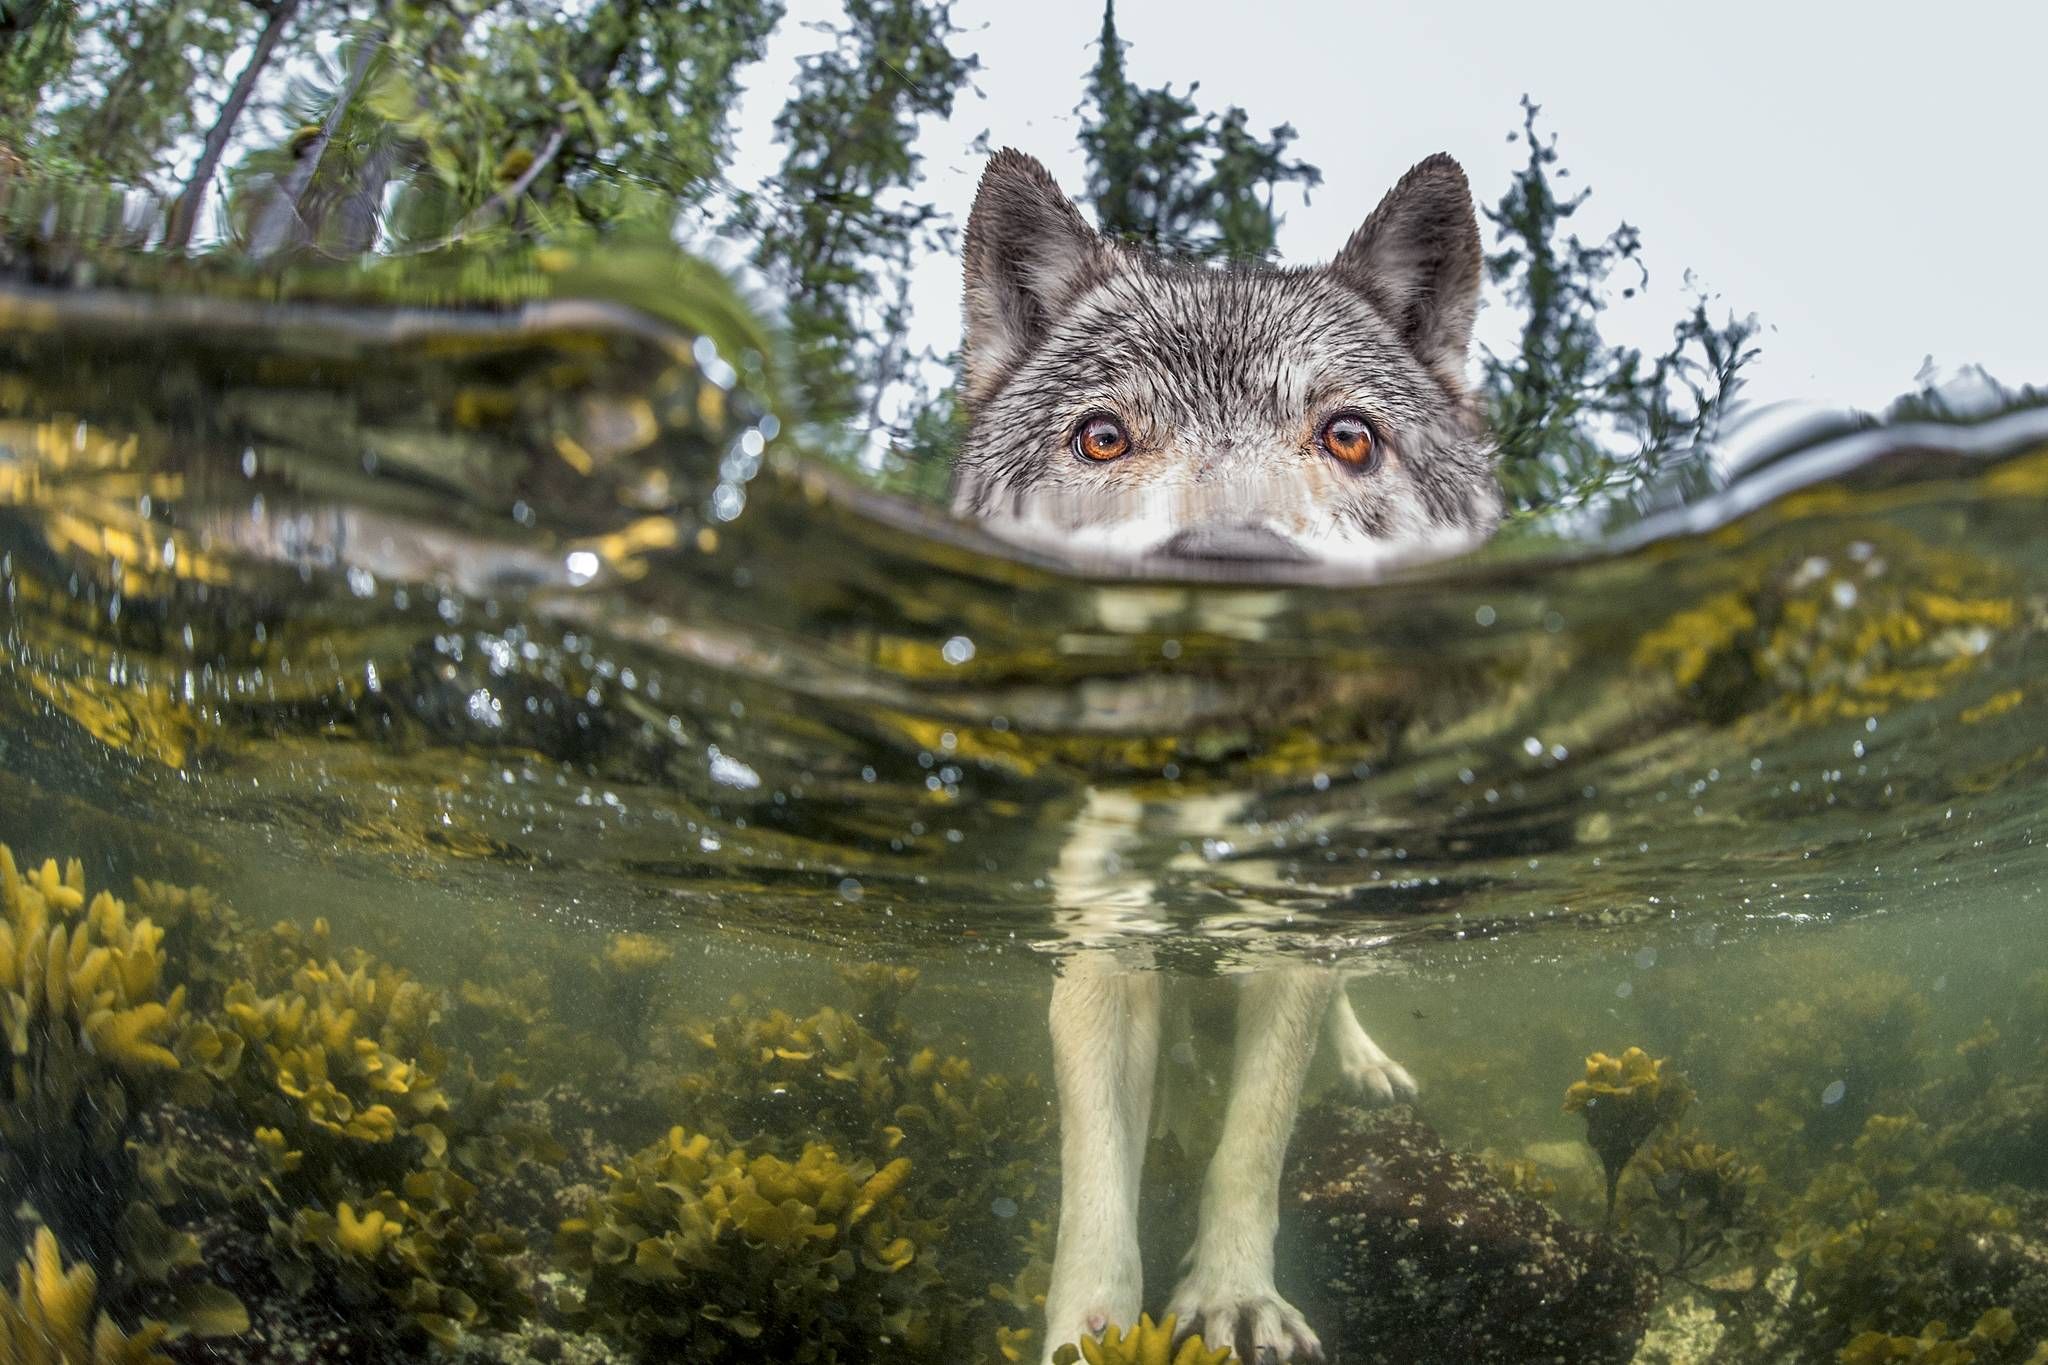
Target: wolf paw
(1088, 1294)
(1253, 1320)
(1377, 1077)
(1370, 1072)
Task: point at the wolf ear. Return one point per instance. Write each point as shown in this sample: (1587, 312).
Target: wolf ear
(1418, 259)
(1029, 254)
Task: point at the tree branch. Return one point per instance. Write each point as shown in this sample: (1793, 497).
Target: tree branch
(184, 214)
(280, 217)
(507, 197)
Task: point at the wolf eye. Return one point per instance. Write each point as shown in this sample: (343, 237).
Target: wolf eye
(1348, 437)
(1101, 438)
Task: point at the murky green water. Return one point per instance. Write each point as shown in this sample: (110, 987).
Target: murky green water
(648, 854)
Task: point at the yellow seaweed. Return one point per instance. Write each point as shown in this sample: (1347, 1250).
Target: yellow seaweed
(1148, 1343)
(49, 1319)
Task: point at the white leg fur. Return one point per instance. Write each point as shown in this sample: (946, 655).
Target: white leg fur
(1228, 1293)
(1105, 1048)
(1105, 1054)
(1370, 1073)
(1105, 1038)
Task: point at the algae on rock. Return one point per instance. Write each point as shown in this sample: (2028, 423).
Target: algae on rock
(312, 1082)
(1933, 1345)
(1404, 1252)
(345, 1095)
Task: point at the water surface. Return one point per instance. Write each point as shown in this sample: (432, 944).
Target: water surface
(524, 650)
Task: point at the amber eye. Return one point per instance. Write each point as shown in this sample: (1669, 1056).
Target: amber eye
(1348, 437)
(1101, 438)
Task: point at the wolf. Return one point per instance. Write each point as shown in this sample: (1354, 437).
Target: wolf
(1199, 420)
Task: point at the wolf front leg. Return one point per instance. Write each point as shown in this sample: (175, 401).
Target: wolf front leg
(1370, 1073)
(1105, 1051)
(1228, 1293)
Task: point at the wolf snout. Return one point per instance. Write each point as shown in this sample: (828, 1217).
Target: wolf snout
(1240, 543)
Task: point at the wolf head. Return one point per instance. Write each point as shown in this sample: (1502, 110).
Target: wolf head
(1126, 406)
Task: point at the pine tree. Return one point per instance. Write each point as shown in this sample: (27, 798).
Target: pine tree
(1164, 174)
(1582, 422)
(1242, 181)
(837, 232)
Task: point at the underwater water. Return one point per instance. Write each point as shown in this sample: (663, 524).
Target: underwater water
(584, 882)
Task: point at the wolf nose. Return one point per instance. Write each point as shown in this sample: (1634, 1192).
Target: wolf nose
(1231, 542)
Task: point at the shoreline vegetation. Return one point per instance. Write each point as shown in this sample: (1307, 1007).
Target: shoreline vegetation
(446, 151)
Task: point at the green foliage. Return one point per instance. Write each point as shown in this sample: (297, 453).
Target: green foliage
(363, 1145)
(539, 121)
(339, 1129)
(1582, 422)
(836, 234)
(94, 1032)
(1866, 1263)
(112, 91)
(1873, 1227)
(38, 41)
(372, 1134)
(428, 1248)
(1700, 1202)
(1177, 180)
(1999, 1097)
(1865, 1033)
(1933, 1345)
(98, 1031)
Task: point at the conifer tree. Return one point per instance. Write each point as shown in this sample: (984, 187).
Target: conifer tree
(436, 122)
(1583, 422)
(1163, 173)
(837, 231)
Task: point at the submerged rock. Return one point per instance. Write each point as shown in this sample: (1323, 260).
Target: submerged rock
(1402, 1251)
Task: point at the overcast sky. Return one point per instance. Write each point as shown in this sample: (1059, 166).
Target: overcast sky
(1868, 179)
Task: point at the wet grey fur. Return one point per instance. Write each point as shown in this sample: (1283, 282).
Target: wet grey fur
(1223, 377)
